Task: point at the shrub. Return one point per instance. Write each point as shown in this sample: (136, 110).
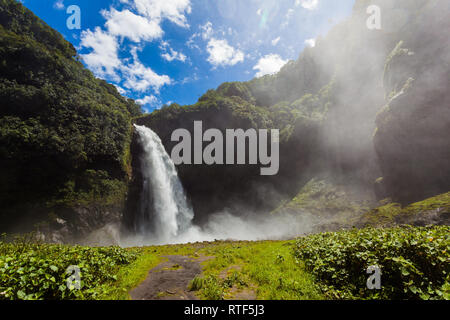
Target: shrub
(414, 262)
(34, 271)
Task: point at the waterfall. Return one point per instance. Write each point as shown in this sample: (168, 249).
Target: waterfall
(164, 212)
(164, 216)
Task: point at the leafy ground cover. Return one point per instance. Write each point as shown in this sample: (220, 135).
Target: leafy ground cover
(414, 262)
(32, 271)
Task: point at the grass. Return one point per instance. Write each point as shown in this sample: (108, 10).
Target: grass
(131, 276)
(266, 267)
(322, 266)
(441, 201)
(278, 275)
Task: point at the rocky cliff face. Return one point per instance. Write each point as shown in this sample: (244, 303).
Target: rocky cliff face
(327, 105)
(65, 136)
(412, 141)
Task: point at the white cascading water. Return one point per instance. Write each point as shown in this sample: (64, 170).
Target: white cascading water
(164, 210)
(164, 215)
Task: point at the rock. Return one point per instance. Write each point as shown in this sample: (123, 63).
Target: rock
(411, 140)
(75, 224)
(431, 211)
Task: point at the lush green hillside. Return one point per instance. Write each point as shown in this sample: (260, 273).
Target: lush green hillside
(364, 124)
(64, 135)
(232, 105)
(363, 111)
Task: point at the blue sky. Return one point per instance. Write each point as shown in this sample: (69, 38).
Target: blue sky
(164, 51)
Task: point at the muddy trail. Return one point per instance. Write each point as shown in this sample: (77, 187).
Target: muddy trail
(170, 280)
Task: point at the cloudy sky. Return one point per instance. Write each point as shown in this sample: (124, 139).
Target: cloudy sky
(164, 51)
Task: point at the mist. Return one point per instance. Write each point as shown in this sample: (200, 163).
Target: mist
(220, 226)
(352, 62)
(164, 215)
(377, 125)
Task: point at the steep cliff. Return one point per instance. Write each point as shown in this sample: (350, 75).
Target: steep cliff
(363, 116)
(413, 129)
(327, 106)
(64, 135)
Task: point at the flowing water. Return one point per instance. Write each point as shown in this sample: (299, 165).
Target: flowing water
(164, 215)
(164, 212)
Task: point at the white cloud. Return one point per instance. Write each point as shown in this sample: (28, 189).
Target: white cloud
(174, 55)
(275, 41)
(173, 10)
(147, 100)
(169, 54)
(287, 18)
(143, 24)
(103, 59)
(310, 42)
(149, 103)
(192, 78)
(121, 90)
(127, 24)
(141, 78)
(307, 4)
(269, 64)
(290, 13)
(206, 30)
(59, 5)
(191, 43)
(222, 54)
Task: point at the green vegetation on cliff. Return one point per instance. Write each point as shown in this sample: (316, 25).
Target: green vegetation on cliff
(325, 105)
(323, 198)
(434, 210)
(233, 105)
(64, 135)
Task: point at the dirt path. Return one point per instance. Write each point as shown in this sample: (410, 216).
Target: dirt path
(169, 280)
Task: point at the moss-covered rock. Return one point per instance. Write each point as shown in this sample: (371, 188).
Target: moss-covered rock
(431, 211)
(332, 204)
(382, 216)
